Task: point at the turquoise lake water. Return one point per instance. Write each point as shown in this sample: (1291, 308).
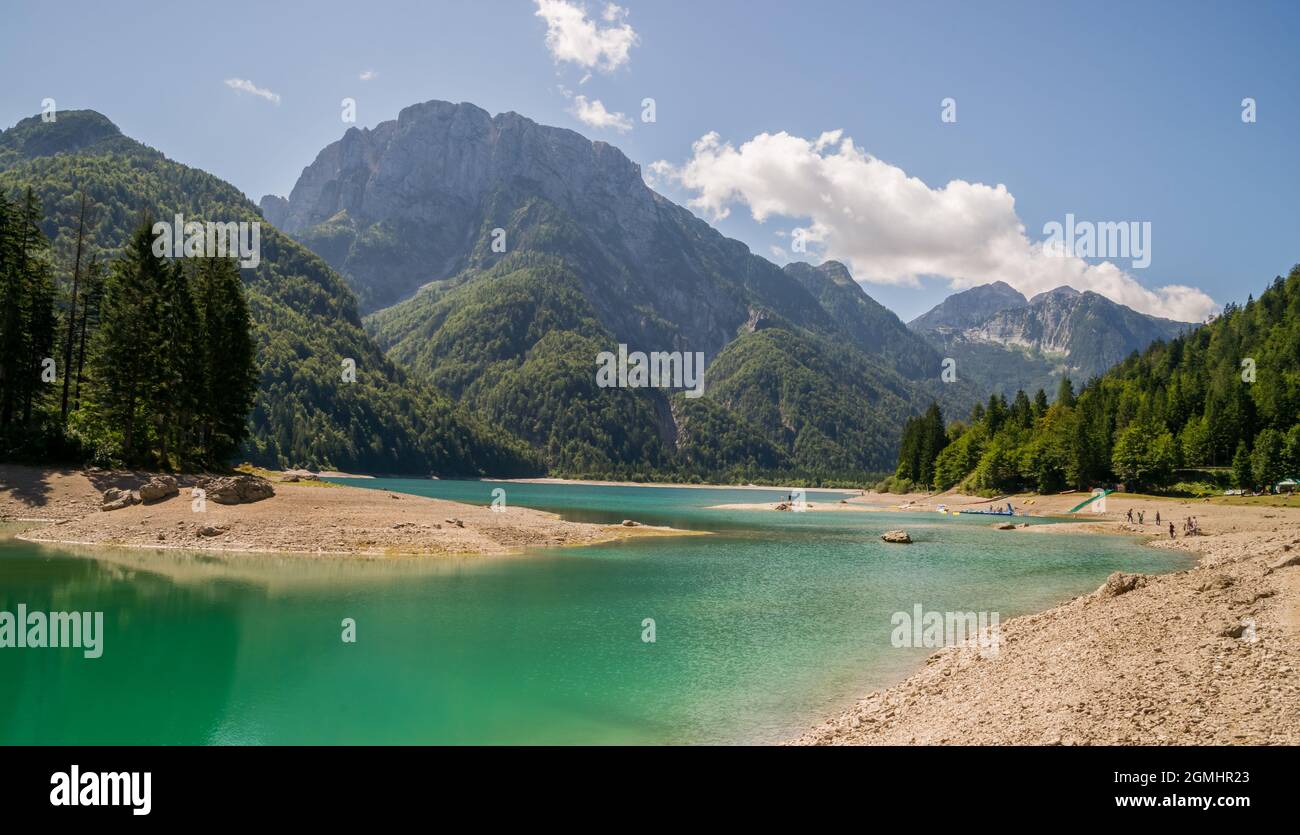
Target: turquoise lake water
(773, 623)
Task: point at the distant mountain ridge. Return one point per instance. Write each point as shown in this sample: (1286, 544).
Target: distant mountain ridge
(875, 329)
(969, 307)
(1007, 342)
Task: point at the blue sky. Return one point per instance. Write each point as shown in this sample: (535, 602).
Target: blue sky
(1110, 112)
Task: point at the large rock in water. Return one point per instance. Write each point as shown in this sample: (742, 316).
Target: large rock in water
(237, 489)
(158, 488)
(901, 537)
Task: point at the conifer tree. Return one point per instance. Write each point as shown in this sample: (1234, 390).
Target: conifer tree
(1065, 392)
(92, 297)
(1241, 469)
(27, 315)
(227, 356)
(175, 395)
(126, 365)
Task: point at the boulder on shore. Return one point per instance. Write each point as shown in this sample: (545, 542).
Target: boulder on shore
(1120, 583)
(901, 537)
(116, 498)
(158, 488)
(237, 489)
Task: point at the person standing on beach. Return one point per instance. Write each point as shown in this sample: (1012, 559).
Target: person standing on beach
(1130, 515)
(1142, 517)
(1171, 530)
(1157, 517)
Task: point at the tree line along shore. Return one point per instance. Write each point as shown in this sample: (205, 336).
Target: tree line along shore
(1213, 409)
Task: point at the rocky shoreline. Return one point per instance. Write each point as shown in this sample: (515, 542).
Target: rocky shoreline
(1209, 655)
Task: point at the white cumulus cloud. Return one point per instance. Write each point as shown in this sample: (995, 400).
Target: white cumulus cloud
(593, 114)
(892, 228)
(368, 75)
(573, 37)
(243, 85)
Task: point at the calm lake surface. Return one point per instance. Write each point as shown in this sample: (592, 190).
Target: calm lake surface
(777, 621)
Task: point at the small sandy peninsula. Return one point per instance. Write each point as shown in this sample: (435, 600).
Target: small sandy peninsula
(1209, 655)
(303, 517)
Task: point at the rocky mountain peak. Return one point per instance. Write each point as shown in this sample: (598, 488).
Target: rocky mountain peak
(1056, 293)
(437, 156)
(969, 307)
(274, 208)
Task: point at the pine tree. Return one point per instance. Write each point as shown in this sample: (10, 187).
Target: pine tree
(92, 297)
(1081, 461)
(11, 303)
(909, 451)
(933, 439)
(1065, 392)
(1040, 404)
(175, 396)
(1267, 464)
(27, 319)
(1241, 470)
(40, 327)
(996, 413)
(1022, 413)
(227, 355)
(126, 364)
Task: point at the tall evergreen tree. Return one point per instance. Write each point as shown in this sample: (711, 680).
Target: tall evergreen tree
(27, 319)
(175, 397)
(1065, 392)
(933, 439)
(227, 355)
(1040, 404)
(1241, 469)
(92, 297)
(126, 365)
(11, 305)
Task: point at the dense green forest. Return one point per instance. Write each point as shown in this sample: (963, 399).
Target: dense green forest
(151, 364)
(1226, 395)
(518, 344)
(516, 341)
(305, 322)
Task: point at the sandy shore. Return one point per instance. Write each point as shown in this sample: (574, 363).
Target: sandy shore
(302, 518)
(1210, 655)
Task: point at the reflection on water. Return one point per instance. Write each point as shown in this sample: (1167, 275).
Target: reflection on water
(774, 622)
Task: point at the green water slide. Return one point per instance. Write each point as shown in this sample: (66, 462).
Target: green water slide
(1090, 500)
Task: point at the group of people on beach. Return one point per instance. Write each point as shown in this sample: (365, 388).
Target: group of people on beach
(1190, 525)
